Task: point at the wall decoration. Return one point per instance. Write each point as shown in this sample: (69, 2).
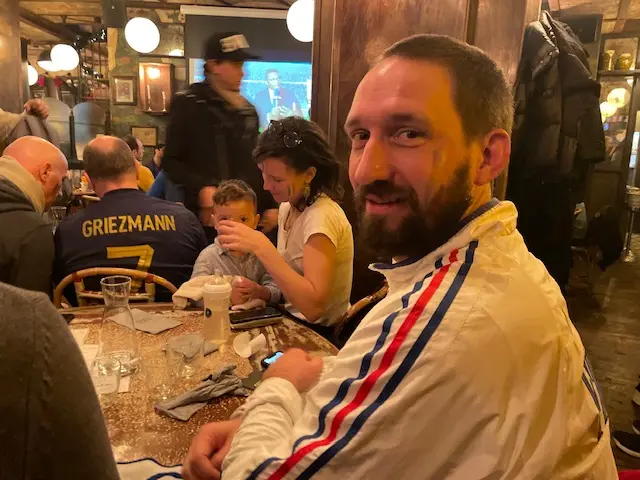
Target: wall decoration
(156, 87)
(147, 135)
(124, 91)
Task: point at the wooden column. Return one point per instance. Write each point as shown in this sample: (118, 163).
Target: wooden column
(10, 58)
(350, 34)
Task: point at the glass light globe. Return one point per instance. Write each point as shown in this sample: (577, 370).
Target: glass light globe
(619, 97)
(32, 75)
(64, 57)
(300, 20)
(607, 110)
(142, 35)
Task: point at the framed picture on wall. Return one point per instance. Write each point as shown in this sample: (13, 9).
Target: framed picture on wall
(148, 136)
(156, 87)
(124, 91)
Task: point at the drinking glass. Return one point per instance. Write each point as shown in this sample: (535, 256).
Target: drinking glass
(189, 349)
(105, 373)
(117, 330)
(160, 374)
(57, 214)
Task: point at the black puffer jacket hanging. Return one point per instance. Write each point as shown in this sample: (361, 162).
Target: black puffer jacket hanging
(557, 136)
(558, 130)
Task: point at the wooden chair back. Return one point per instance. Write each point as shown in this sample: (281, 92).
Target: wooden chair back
(354, 315)
(85, 296)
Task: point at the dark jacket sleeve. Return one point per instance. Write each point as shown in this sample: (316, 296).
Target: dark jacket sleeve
(33, 264)
(183, 153)
(52, 424)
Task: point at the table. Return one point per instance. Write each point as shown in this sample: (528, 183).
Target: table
(135, 430)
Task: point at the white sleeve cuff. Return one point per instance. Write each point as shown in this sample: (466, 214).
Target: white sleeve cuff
(277, 391)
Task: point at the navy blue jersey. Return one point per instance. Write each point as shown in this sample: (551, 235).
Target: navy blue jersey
(128, 229)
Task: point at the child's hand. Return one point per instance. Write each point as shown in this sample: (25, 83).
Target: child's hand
(237, 297)
(246, 290)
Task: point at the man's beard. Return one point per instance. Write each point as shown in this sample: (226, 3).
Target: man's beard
(423, 230)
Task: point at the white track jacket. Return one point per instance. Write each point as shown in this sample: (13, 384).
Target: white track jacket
(469, 369)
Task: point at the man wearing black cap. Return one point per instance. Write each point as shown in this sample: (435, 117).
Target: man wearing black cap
(213, 129)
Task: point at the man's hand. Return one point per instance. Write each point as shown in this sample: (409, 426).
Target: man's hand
(208, 450)
(268, 220)
(302, 370)
(37, 107)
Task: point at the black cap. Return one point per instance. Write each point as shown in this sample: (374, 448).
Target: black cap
(228, 46)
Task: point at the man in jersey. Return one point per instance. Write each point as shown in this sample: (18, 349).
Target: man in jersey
(470, 368)
(127, 228)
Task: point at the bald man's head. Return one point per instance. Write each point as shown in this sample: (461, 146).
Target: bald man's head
(43, 160)
(110, 164)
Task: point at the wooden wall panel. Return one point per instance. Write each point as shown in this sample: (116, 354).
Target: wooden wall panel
(10, 58)
(499, 31)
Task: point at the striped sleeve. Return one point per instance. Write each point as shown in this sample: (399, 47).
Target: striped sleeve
(269, 416)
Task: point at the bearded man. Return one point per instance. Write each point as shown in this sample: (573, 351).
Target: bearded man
(470, 368)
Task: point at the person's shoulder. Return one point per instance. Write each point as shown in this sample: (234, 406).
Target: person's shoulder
(193, 93)
(326, 206)
(19, 301)
(165, 206)
(22, 223)
(213, 250)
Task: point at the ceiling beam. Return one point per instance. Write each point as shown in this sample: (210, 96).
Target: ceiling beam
(623, 15)
(54, 29)
(153, 5)
(57, 30)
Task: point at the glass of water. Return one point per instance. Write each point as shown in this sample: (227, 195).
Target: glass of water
(105, 373)
(190, 350)
(161, 372)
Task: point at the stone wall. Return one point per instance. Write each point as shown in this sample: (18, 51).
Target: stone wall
(124, 61)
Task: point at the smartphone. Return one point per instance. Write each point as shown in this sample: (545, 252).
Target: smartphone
(266, 362)
(251, 315)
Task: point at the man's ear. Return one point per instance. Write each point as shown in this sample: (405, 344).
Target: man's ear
(45, 171)
(495, 156)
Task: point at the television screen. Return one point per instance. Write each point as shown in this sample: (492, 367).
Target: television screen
(276, 89)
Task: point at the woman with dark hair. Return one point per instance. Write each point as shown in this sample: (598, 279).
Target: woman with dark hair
(313, 263)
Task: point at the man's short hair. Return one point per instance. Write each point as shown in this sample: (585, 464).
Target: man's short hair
(131, 141)
(108, 164)
(482, 96)
(234, 191)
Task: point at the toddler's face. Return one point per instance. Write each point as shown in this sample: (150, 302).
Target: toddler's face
(241, 211)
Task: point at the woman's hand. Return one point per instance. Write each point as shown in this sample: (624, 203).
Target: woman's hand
(240, 238)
